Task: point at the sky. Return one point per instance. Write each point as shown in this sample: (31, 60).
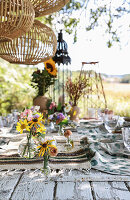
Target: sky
(112, 61)
(91, 46)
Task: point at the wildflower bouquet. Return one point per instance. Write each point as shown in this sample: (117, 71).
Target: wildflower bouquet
(32, 121)
(41, 80)
(52, 107)
(76, 88)
(47, 149)
(59, 119)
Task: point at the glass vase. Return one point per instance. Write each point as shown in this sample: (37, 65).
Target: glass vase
(46, 169)
(27, 148)
(61, 130)
(69, 144)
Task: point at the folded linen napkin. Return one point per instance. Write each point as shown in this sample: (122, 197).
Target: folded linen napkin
(115, 148)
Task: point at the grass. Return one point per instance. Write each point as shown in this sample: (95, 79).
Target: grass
(118, 97)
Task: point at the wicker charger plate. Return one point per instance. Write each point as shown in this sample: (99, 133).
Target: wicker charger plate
(16, 18)
(47, 7)
(37, 45)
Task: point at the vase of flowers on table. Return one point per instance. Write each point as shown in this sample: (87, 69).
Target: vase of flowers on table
(75, 89)
(41, 81)
(31, 121)
(47, 149)
(60, 120)
(69, 142)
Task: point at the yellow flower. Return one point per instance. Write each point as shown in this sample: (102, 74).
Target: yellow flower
(21, 125)
(44, 147)
(50, 67)
(74, 113)
(42, 129)
(36, 122)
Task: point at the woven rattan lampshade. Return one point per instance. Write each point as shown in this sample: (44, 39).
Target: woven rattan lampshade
(37, 45)
(16, 18)
(47, 7)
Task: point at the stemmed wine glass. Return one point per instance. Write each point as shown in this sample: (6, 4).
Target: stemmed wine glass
(126, 137)
(111, 122)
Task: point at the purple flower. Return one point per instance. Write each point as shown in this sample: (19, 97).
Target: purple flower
(32, 108)
(60, 116)
(50, 117)
(36, 116)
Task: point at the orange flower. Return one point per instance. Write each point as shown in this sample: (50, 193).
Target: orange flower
(67, 133)
(53, 151)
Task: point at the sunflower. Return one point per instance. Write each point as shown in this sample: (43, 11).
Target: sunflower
(36, 122)
(21, 125)
(45, 147)
(50, 67)
(42, 129)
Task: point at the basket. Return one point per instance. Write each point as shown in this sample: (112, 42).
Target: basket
(16, 18)
(37, 45)
(47, 7)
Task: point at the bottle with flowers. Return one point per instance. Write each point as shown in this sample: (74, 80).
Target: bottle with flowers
(60, 120)
(75, 89)
(41, 81)
(47, 149)
(31, 121)
(69, 142)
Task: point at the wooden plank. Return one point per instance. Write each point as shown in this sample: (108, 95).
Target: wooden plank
(33, 186)
(128, 185)
(65, 190)
(8, 181)
(83, 191)
(73, 190)
(93, 175)
(110, 190)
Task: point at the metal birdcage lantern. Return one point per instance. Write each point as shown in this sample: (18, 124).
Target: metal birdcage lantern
(61, 56)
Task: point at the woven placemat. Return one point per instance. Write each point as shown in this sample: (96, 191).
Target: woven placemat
(79, 159)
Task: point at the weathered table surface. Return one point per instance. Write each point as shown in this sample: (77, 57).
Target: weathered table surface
(33, 185)
(65, 184)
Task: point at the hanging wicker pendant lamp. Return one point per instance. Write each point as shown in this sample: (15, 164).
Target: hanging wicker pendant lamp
(47, 7)
(16, 18)
(37, 45)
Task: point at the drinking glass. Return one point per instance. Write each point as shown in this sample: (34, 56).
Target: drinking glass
(126, 137)
(111, 122)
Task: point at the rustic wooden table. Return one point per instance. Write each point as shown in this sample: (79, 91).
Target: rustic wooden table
(62, 185)
(33, 185)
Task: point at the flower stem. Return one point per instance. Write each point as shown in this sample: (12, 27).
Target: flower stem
(45, 161)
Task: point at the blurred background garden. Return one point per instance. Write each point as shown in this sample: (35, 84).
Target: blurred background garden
(94, 31)
(16, 91)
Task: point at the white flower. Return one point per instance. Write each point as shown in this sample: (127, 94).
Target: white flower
(67, 108)
(36, 109)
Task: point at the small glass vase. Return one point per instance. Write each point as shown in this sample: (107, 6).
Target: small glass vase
(46, 169)
(61, 130)
(27, 148)
(69, 144)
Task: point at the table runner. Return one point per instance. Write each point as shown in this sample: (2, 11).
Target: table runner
(111, 156)
(104, 159)
(77, 158)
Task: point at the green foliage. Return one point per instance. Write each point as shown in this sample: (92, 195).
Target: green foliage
(106, 14)
(41, 80)
(15, 89)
